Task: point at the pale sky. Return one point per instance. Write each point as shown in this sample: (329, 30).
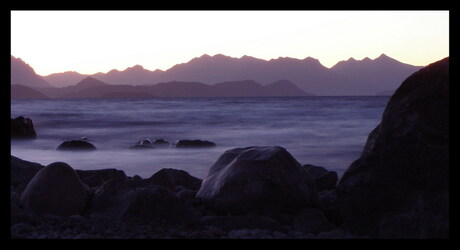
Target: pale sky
(98, 41)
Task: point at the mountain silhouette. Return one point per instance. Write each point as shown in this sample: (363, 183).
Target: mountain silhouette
(19, 91)
(351, 77)
(90, 87)
(65, 79)
(369, 76)
(22, 73)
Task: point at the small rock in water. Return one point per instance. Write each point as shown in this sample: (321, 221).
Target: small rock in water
(193, 144)
(145, 143)
(22, 128)
(76, 145)
(160, 142)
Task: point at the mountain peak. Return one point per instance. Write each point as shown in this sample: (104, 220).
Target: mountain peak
(383, 57)
(90, 82)
(23, 73)
(136, 67)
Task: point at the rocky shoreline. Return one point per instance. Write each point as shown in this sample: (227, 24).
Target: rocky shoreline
(398, 188)
(165, 206)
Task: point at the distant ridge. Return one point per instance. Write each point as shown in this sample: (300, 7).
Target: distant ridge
(19, 91)
(90, 87)
(350, 77)
(381, 74)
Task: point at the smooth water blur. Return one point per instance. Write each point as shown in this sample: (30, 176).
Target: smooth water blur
(323, 131)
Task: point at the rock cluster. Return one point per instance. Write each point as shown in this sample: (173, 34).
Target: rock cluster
(168, 200)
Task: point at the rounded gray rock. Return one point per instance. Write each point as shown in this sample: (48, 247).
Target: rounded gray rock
(55, 189)
(264, 180)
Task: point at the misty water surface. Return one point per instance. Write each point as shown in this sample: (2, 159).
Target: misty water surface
(324, 131)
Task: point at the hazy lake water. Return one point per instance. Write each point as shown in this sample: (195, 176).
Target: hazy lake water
(323, 131)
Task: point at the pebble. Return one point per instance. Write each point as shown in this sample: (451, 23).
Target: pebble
(279, 235)
(82, 236)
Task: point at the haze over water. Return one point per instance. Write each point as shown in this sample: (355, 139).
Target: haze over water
(323, 131)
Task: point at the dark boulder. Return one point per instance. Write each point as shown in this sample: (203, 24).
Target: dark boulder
(76, 145)
(125, 199)
(193, 144)
(22, 172)
(55, 189)
(94, 178)
(22, 128)
(399, 186)
(264, 180)
(324, 179)
(173, 178)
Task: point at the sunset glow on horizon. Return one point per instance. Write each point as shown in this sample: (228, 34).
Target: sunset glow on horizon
(98, 41)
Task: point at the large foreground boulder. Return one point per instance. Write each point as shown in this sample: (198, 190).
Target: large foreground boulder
(55, 189)
(263, 180)
(22, 128)
(399, 187)
(22, 172)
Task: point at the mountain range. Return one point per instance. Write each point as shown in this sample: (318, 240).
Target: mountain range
(90, 87)
(302, 76)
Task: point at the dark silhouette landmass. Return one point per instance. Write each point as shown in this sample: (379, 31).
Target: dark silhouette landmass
(19, 91)
(93, 88)
(351, 77)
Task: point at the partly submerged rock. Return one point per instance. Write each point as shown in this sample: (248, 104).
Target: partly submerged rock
(263, 180)
(22, 128)
(76, 145)
(145, 143)
(161, 142)
(55, 189)
(193, 144)
(399, 187)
